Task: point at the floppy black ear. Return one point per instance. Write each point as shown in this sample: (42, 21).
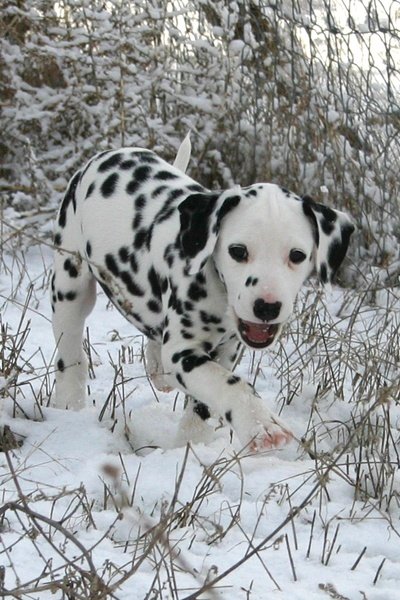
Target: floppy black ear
(332, 230)
(201, 215)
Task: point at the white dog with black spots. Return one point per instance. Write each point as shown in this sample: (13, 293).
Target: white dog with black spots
(199, 272)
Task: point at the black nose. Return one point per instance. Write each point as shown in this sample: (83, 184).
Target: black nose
(266, 311)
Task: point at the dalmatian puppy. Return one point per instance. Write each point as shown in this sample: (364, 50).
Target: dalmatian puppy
(199, 272)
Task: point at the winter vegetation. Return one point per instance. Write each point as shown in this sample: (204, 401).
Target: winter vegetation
(105, 503)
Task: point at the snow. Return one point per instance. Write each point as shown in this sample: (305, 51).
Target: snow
(111, 472)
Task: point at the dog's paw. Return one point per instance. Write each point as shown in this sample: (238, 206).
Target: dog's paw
(160, 382)
(259, 429)
(270, 437)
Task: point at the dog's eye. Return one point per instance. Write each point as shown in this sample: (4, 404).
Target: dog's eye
(238, 252)
(297, 256)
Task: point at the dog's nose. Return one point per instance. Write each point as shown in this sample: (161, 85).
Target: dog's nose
(266, 311)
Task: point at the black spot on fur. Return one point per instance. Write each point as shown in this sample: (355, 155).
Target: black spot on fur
(137, 221)
(166, 337)
(140, 238)
(233, 379)
(60, 365)
(127, 164)
(142, 173)
(168, 208)
(110, 163)
(177, 304)
(71, 268)
(154, 306)
(57, 239)
(174, 194)
(202, 410)
(196, 291)
(154, 283)
(70, 296)
(228, 416)
(68, 199)
(111, 264)
(192, 362)
(323, 273)
(88, 249)
(186, 322)
(186, 334)
(207, 346)
(149, 236)
(165, 175)
(213, 354)
(108, 186)
(132, 187)
(60, 296)
(177, 356)
(164, 285)
(159, 190)
(179, 378)
(123, 254)
(165, 214)
(90, 190)
(169, 255)
(195, 187)
(209, 318)
(140, 202)
(146, 156)
(132, 286)
(133, 263)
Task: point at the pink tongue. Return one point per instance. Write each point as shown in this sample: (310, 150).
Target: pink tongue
(257, 332)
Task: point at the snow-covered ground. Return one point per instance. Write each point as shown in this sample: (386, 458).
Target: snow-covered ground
(112, 491)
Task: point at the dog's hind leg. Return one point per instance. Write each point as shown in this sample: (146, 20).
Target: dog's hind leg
(73, 298)
(74, 295)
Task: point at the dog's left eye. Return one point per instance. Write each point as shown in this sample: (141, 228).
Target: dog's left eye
(297, 256)
(238, 252)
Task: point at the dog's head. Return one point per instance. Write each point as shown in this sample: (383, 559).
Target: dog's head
(265, 241)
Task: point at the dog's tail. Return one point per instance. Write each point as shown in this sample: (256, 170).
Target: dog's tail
(183, 155)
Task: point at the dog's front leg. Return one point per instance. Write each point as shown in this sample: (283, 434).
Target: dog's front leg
(226, 395)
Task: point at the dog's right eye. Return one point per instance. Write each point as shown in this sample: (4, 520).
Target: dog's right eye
(297, 256)
(238, 252)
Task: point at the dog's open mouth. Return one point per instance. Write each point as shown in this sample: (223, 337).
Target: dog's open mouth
(257, 335)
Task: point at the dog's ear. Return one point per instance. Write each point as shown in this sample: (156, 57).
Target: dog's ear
(201, 215)
(332, 230)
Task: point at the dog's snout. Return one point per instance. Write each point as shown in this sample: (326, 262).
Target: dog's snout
(266, 311)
